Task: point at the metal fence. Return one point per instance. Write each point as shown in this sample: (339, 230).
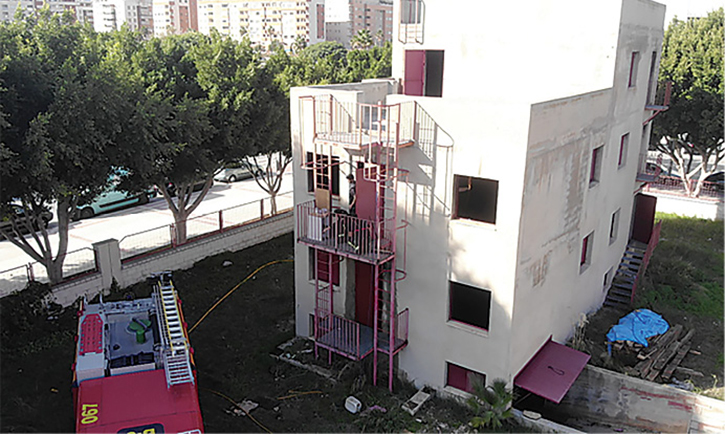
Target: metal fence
(76, 262)
(82, 261)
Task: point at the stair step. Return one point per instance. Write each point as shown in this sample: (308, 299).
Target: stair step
(621, 292)
(631, 260)
(635, 253)
(618, 298)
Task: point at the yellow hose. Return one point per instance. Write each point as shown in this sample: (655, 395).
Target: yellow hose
(234, 289)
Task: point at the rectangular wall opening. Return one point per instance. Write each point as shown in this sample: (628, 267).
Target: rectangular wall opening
(475, 198)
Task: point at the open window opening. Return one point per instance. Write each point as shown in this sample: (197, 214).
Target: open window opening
(586, 253)
(325, 175)
(462, 378)
(596, 169)
(633, 66)
(470, 305)
(475, 198)
(328, 266)
(623, 145)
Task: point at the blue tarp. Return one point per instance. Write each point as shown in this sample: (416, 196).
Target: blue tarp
(638, 326)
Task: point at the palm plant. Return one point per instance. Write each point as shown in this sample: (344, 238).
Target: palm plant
(491, 405)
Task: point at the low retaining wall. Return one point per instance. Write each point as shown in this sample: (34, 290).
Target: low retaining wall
(600, 395)
(179, 258)
(689, 207)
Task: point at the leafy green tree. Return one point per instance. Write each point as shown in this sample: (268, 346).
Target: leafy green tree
(491, 405)
(372, 63)
(692, 59)
(299, 44)
(64, 117)
(362, 41)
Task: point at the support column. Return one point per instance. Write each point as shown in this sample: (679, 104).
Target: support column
(108, 261)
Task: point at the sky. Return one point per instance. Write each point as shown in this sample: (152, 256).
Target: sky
(689, 8)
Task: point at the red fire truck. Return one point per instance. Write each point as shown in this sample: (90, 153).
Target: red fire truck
(134, 369)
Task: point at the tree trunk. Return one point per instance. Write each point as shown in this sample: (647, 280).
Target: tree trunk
(273, 202)
(180, 228)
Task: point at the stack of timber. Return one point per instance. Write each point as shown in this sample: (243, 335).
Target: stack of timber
(664, 355)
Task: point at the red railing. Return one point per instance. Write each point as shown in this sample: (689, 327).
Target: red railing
(341, 233)
(338, 334)
(674, 184)
(654, 239)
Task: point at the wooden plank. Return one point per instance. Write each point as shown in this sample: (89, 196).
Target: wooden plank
(670, 368)
(689, 371)
(668, 354)
(669, 336)
(663, 346)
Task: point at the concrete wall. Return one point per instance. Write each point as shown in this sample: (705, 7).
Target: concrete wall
(179, 258)
(516, 51)
(688, 206)
(599, 395)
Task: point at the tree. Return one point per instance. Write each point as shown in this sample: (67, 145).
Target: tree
(491, 405)
(216, 114)
(299, 44)
(270, 114)
(692, 59)
(64, 112)
(362, 41)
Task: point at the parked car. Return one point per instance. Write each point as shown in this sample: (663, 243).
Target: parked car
(110, 200)
(19, 213)
(236, 172)
(654, 168)
(717, 180)
(171, 188)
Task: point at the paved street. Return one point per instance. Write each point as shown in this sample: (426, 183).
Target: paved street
(155, 214)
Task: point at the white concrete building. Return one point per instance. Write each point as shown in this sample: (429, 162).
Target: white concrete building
(263, 21)
(110, 15)
(174, 16)
(498, 174)
(345, 18)
(80, 8)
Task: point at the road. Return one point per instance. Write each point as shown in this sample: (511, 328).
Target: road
(82, 234)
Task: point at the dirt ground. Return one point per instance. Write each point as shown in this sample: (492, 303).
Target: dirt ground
(232, 348)
(708, 340)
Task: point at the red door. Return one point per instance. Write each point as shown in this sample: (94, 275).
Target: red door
(644, 217)
(364, 302)
(413, 84)
(365, 193)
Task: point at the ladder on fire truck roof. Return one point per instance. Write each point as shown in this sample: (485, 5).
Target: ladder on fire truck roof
(175, 350)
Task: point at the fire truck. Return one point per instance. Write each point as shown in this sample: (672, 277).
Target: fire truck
(134, 369)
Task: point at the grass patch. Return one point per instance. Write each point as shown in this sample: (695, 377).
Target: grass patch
(686, 269)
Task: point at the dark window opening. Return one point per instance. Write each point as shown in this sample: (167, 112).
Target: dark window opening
(652, 79)
(633, 69)
(475, 198)
(596, 169)
(586, 253)
(462, 378)
(327, 175)
(623, 145)
(470, 305)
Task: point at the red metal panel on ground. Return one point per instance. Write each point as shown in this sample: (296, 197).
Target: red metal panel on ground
(364, 303)
(113, 404)
(413, 84)
(91, 334)
(644, 217)
(552, 371)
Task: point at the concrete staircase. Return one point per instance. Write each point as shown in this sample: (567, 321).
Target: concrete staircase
(624, 282)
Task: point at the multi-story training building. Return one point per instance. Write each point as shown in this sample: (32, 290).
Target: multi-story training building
(81, 9)
(174, 16)
(496, 188)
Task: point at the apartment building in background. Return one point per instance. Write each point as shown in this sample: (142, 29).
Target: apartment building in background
(497, 188)
(82, 9)
(345, 18)
(174, 16)
(110, 15)
(264, 21)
